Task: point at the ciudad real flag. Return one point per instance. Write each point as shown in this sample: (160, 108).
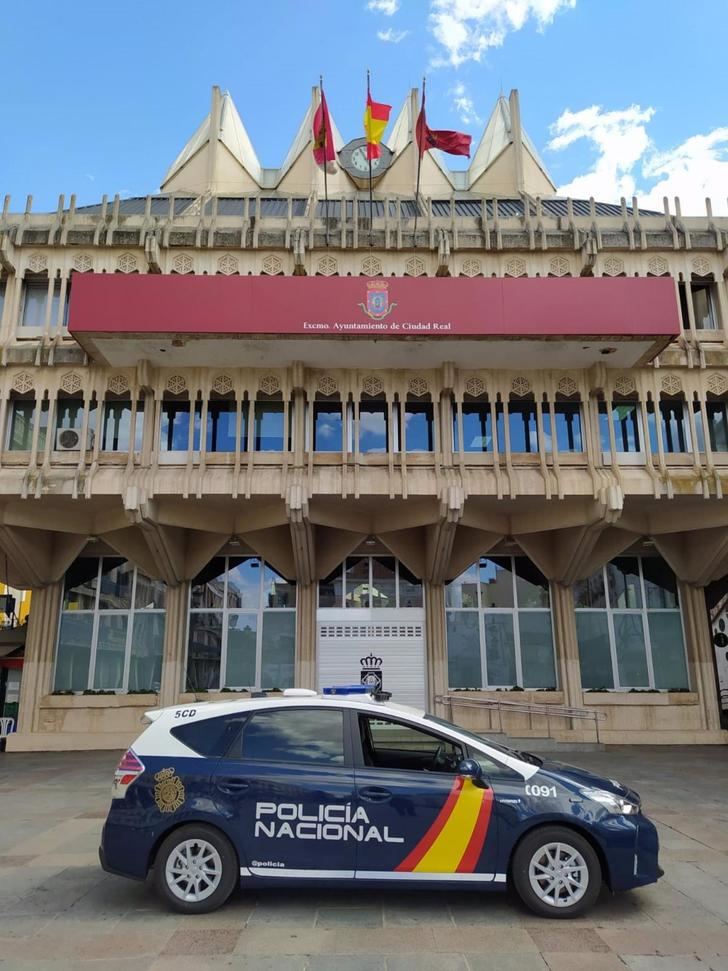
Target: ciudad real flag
(451, 142)
(376, 116)
(324, 150)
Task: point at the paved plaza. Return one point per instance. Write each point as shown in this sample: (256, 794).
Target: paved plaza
(59, 911)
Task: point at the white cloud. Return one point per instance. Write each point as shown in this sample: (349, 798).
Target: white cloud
(391, 36)
(621, 140)
(628, 162)
(464, 104)
(388, 7)
(467, 28)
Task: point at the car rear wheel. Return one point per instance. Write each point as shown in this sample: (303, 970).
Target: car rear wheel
(196, 869)
(556, 872)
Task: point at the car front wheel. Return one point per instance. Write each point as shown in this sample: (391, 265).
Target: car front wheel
(196, 869)
(556, 872)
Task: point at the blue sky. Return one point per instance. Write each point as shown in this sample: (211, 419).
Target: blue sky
(618, 95)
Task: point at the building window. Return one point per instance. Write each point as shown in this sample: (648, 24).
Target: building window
(242, 626)
(328, 426)
(175, 426)
(20, 424)
(629, 626)
(270, 427)
(222, 422)
(477, 427)
(717, 414)
(371, 582)
(373, 427)
(116, 428)
(703, 297)
(418, 426)
(111, 635)
(522, 426)
(567, 427)
(34, 303)
(674, 426)
(625, 417)
(499, 632)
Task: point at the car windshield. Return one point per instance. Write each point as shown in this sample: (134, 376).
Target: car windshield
(479, 740)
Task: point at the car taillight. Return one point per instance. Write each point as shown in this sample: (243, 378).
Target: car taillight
(127, 771)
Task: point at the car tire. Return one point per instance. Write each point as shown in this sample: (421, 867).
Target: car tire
(556, 872)
(196, 869)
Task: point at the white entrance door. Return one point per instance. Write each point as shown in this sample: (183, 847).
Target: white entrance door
(361, 644)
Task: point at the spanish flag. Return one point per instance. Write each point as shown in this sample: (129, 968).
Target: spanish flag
(376, 116)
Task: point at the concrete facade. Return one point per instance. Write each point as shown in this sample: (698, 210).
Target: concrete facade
(645, 479)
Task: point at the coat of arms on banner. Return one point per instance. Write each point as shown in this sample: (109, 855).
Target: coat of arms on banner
(377, 306)
(371, 671)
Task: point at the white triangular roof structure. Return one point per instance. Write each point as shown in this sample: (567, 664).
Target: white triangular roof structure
(299, 172)
(304, 136)
(219, 157)
(506, 157)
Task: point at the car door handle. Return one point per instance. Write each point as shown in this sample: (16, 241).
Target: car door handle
(232, 785)
(375, 794)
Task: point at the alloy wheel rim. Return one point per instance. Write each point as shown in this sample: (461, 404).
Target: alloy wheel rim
(193, 870)
(558, 874)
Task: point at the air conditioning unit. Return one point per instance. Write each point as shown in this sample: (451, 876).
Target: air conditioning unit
(69, 440)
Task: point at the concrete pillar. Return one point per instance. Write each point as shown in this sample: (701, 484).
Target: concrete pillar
(306, 606)
(39, 654)
(175, 644)
(699, 644)
(435, 644)
(566, 645)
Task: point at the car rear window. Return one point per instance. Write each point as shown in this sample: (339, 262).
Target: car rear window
(211, 737)
(295, 735)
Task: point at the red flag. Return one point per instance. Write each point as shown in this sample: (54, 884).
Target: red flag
(452, 142)
(324, 151)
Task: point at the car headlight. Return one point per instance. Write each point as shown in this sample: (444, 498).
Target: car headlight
(614, 803)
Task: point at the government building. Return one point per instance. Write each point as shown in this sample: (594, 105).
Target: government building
(470, 444)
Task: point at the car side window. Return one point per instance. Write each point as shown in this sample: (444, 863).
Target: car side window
(305, 736)
(211, 737)
(390, 744)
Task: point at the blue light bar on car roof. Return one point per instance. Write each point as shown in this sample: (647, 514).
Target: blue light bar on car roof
(348, 689)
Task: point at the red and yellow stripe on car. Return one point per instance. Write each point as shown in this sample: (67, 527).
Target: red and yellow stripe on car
(454, 842)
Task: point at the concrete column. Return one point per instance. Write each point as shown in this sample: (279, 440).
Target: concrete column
(566, 645)
(306, 606)
(699, 644)
(39, 654)
(175, 644)
(435, 643)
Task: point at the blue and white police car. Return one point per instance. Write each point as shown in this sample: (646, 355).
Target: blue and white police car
(347, 788)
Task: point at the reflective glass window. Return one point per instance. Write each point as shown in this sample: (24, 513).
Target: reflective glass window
(567, 424)
(522, 426)
(328, 426)
(269, 429)
(116, 431)
(313, 736)
(373, 433)
(477, 427)
(418, 426)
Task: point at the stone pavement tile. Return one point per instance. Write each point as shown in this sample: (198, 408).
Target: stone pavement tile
(427, 962)
(219, 940)
(711, 940)
(388, 941)
(342, 962)
(13, 861)
(88, 859)
(495, 909)
(56, 837)
(707, 890)
(506, 962)
(54, 893)
(332, 917)
(302, 914)
(579, 940)
(94, 814)
(660, 940)
(81, 943)
(274, 940)
(643, 962)
(73, 964)
(482, 938)
(415, 914)
(12, 927)
(717, 866)
(579, 962)
(717, 963)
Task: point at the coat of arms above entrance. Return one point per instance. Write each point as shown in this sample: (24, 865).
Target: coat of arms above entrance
(377, 306)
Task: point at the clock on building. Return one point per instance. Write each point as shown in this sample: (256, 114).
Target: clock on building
(354, 161)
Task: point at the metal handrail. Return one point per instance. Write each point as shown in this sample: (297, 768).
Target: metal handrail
(522, 707)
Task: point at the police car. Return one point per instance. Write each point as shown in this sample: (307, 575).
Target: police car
(346, 788)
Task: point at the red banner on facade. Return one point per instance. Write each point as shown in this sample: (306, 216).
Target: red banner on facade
(626, 307)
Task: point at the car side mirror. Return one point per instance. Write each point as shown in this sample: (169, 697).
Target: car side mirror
(470, 769)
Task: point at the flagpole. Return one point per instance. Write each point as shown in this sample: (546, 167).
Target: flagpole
(326, 165)
(419, 167)
(371, 204)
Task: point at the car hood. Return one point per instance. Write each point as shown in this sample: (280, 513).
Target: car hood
(573, 776)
